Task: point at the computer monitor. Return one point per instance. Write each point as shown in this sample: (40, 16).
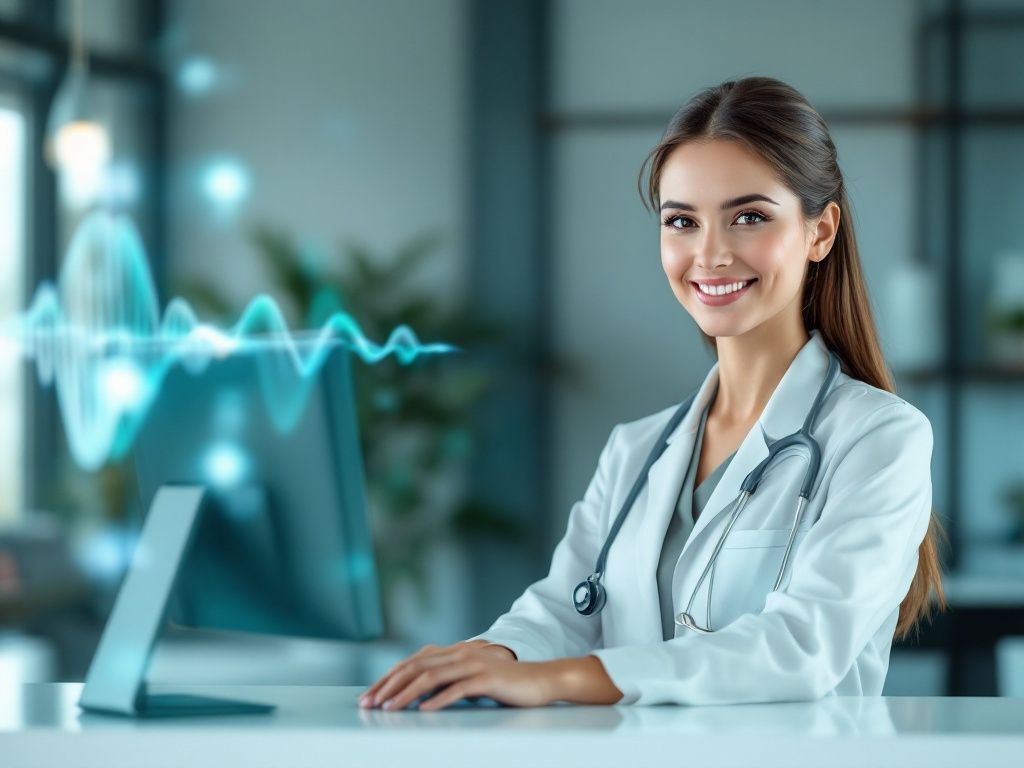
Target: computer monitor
(263, 525)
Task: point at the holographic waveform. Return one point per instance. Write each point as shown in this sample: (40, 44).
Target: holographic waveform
(99, 336)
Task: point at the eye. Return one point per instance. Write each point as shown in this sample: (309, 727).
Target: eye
(753, 213)
(668, 221)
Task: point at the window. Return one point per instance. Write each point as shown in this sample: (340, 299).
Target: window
(12, 259)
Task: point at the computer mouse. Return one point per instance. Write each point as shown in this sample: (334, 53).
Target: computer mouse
(467, 702)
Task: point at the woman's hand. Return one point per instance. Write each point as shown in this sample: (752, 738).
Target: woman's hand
(475, 668)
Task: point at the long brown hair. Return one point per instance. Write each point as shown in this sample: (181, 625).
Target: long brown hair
(776, 122)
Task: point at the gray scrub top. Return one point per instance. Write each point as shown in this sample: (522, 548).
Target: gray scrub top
(688, 509)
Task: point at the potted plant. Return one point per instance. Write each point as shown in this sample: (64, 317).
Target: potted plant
(416, 421)
(1006, 309)
(1014, 498)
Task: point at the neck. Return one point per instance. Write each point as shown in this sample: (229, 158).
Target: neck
(750, 366)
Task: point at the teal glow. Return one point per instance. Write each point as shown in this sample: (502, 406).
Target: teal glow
(99, 338)
(226, 183)
(224, 465)
(197, 75)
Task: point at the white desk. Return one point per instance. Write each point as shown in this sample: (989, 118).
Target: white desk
(40, 725)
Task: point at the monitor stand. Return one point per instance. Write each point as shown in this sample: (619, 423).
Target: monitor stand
(115, 683)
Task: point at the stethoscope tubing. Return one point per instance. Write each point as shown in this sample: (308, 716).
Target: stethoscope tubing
(589, 596)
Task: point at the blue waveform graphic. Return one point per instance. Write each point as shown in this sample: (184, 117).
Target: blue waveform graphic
(99, 337)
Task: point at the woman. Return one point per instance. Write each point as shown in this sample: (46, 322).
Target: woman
(758, 246)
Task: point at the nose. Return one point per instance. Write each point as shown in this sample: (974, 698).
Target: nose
(711, 252)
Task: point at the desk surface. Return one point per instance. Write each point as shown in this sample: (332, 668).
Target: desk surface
(41, 725)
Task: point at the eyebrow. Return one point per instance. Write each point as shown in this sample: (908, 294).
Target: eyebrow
(725, 206)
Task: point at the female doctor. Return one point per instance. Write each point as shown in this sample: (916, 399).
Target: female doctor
(730, 579)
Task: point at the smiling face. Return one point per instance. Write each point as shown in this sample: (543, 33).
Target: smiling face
(760, 243)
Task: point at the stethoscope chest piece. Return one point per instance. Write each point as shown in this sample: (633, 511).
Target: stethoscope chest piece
(589, 596)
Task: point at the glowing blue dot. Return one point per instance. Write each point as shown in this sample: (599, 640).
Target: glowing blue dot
(123, 383)
(226, 182)
(104, 554)
(197, 75)
(224, 465)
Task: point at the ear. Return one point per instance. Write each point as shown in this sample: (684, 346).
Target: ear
(824, 233)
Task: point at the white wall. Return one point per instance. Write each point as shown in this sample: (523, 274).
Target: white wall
(348, 115)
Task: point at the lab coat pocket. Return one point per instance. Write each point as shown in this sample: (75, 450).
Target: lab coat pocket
(747, 567)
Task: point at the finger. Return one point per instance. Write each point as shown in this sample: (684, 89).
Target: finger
(401, 678)
(426, 650)
(430, 680)
(370, 696)
(470, 686)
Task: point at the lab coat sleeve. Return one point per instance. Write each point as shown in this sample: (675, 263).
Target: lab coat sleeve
(543, 623)
(852, 570)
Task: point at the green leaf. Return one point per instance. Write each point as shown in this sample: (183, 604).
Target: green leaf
(283, 259)
(476, 517)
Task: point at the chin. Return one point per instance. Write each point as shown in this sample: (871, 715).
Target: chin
(723, 329)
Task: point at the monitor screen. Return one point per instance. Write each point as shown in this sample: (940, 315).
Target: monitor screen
(284, 543)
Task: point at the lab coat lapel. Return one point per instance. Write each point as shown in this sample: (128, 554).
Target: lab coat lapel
(664, 481)
(784, 414)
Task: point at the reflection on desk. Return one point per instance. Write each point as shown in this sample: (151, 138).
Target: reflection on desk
(41, 725)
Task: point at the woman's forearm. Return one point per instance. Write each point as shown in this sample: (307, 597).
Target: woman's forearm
(582, 680)
(578, 680)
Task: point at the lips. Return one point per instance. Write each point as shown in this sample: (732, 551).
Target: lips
(719, 301)
(724, 280)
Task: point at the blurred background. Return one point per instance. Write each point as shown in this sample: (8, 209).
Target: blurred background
(469, 167)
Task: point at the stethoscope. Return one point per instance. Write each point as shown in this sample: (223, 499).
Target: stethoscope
(589, 596)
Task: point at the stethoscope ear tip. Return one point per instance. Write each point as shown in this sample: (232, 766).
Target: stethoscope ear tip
(686, 620)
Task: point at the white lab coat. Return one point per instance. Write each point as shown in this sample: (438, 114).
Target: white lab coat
(829, 627)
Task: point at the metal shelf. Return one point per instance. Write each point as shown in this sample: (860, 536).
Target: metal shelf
(984, 606)
(976, 374)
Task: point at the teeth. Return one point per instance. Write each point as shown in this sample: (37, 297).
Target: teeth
(721, 290)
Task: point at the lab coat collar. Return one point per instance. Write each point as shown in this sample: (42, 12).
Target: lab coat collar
(784, 414)
(788, 405)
